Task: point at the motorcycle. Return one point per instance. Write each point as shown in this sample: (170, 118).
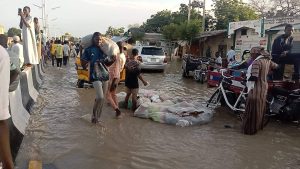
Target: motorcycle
(284, 104)
(200, 74)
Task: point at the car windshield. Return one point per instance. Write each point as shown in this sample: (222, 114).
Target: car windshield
(152, 51)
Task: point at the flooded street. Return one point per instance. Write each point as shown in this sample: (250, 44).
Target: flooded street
(59, 136)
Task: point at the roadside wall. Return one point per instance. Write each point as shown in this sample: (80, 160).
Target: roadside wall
(21, 99)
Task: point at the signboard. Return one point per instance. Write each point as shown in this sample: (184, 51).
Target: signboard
(271, 22)
(254, 24)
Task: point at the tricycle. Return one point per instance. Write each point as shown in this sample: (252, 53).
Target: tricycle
(282, 101)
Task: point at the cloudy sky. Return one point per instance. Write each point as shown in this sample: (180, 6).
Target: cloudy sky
(81, 17)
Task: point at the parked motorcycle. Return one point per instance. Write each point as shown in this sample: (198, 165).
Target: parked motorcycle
(189, 63)
(284, 104)
(200, 74)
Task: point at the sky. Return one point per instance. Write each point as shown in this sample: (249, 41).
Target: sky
(82, 17)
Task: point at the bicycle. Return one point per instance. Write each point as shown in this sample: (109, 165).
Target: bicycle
(225, 90)
(236, 104)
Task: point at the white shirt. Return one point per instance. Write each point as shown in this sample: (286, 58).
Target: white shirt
(230, 55)
(17, 58)
(219, 60)
(122, 61)
(66, 50)
(4, 85)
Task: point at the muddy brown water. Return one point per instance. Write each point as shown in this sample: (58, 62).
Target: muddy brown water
(59, 136)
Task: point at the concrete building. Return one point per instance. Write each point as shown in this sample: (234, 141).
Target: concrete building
(261, 32)
(211, 42)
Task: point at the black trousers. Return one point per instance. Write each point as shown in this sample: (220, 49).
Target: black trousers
(59, 61)
(53, 59)
(65, 60)
(282, 61)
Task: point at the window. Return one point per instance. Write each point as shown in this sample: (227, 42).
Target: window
(244, 32)
(152, 51)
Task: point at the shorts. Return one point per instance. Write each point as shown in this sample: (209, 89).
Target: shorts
(132, 91)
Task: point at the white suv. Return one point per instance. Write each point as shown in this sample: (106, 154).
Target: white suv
(152, 57)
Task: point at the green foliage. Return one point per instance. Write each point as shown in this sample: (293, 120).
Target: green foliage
(166, 17)
(181, 16)
(189, 30)
(232, 11)
(171, 32)
(185, 31)
(157, 21)
(114, 31)
(136, 33)
(13, 31)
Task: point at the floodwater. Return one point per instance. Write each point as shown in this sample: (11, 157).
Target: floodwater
(59, 136)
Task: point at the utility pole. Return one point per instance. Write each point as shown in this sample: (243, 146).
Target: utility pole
(203, 22)
(189, 11)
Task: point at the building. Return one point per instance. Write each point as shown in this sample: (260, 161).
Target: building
(261, 32)
(207, 44)
(212, 42)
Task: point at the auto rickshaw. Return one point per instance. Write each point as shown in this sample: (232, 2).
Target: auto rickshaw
(83, 74)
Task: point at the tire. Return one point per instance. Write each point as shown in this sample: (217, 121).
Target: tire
(184, 74)
(215, 98)
(202, 77)
(196, 76)
(80, 83)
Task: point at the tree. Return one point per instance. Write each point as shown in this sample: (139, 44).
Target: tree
(114, 31)
(171, 32)
(189, 30)
(182, 15)
(136, 25)
(276, 8)
(136, 33)
(13, 32)
(232, 11)
(157, 21)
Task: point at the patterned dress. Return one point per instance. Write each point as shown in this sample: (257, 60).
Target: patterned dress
(256, 101)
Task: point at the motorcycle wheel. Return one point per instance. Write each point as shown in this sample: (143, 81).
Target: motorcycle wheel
(196, 77)
(184, 73)
(202, 77)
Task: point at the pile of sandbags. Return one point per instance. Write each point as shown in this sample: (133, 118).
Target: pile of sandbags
(162, 108)
(180, 114)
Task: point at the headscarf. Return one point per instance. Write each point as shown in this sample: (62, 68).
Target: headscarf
(259, 50)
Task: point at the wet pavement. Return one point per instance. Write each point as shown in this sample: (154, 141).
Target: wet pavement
(59, 136)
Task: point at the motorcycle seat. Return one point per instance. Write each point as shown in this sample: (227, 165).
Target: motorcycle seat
(280, 91)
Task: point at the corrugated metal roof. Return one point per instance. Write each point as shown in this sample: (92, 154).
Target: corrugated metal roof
(282, 26)
(211, 33)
